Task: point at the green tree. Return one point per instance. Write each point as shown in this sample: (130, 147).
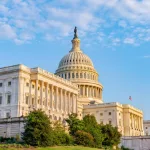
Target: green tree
(92, 127)
(74, 124)
(60, 137)
(38, 130)
(84, 138)
(111, 134)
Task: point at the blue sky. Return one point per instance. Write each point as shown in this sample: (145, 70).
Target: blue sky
(114, 34)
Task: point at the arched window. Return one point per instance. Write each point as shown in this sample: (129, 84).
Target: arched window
(84, 75)
(68, 75)
(65, 76)
(72, 75)
(77, 75)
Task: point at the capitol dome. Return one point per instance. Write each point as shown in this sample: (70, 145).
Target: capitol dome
(75, 58)
(78, 68)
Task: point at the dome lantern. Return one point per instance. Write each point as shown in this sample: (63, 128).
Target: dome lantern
(75, 42)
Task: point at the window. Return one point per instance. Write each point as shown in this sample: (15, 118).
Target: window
(72, 75)
(43, 90)
(120, 122)
(101, 114)
(33, 86)
(32, 101)
(109, 122)
(9, 83)
(1, 84)
(38, 88)
(27, 84)
(0, 99)
(8, 99)
(38, 101)
(101, 122)
(77, 75)
(109, 113)
(145, 127)
(8, 115)
(27, 99)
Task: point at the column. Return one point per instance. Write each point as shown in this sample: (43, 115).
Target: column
(47, 87)
(57, 98)
(68, 102)
(30, 93)
(42, 84)
(51, 96)
(101, 93)
(61, 99)
(87, 91)
(65, 100)
(83, 90)
(36, 93)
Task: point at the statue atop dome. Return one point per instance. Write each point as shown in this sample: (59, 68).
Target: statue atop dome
(75, 33)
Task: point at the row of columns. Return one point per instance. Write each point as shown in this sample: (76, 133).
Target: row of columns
(136, 122)
(76, 75)
(53, 97)
(90, 91)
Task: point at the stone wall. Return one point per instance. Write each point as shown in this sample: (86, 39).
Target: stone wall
(10, 127)
(136, 142)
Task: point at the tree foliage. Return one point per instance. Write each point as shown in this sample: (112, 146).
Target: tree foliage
(38, 130)
(74, 124)
(92, 127)
(84, 138)
(60, 137)
(111, 134)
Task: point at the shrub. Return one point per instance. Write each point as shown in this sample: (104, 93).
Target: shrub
(38, 130)
(84, 138)
(59, 135)
(111, 134)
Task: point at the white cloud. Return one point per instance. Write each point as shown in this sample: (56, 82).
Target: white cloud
(147, 56)
(129, 41)
(25, 20)
(7, 32)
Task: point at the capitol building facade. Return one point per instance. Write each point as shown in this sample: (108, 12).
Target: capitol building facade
(74, 88)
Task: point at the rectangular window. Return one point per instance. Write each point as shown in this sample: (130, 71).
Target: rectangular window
(109, 122)
(9, 83)
(101, 122)
(27, 84)
(101, 114)
(109, 113)
(1, 84)
(0, 100)
(27, 99)
(33, 86)
(7, 115)
(8, 99)
(32, 101)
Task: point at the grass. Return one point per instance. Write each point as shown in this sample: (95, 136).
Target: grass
(68, 148)
(52, 148)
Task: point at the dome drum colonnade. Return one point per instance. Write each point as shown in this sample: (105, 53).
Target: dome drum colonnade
(78, 68)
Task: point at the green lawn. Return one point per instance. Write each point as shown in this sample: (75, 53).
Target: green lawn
(53, 148)
(68, 148)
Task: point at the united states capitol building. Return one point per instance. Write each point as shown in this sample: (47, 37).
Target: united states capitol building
(74, 88)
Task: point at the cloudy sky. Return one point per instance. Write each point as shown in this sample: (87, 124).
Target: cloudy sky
(114, 33)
